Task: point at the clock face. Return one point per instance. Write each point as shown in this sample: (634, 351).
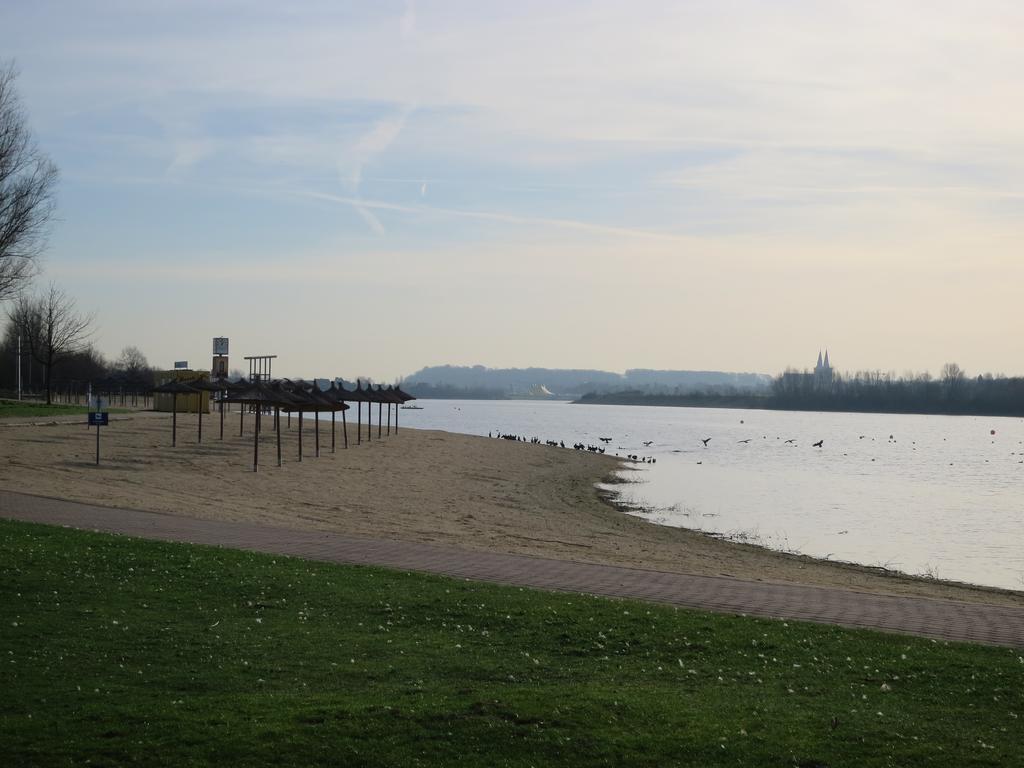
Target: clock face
(220, 345)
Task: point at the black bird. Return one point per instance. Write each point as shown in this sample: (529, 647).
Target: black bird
(791, 440)
(647, 443)
(706, 440)
(744, 441)
(605, 439)
(818, 444)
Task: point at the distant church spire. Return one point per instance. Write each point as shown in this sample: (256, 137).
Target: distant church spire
(826, 359)
(819, 359)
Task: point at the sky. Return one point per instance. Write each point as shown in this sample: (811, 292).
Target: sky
(366, 188)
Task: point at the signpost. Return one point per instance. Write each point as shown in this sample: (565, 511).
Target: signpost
(98, 419)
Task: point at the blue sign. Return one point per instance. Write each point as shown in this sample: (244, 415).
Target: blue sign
(98, 419)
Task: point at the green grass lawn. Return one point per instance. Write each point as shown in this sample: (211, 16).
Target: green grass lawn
(119, 651)
(23, 409)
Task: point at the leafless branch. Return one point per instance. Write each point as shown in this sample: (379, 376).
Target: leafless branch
(27, 182)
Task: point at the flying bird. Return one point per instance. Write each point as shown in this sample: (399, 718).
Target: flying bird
(744, 441)
(647, 443)
(791, 440)
(818, 444)
(706, 440)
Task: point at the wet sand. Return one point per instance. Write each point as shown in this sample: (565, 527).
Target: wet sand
(465, 491)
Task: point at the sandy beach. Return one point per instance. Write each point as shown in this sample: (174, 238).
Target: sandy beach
(460, 490)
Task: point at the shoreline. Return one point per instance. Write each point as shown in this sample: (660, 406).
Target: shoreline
(610, 498)
(420, 485)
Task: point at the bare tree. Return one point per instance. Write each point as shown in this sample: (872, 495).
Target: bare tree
(132, 360)
(51, 328)
(134, 367)
(953, 379)
(27, 181)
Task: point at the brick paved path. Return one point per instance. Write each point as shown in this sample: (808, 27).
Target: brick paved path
(942, 619)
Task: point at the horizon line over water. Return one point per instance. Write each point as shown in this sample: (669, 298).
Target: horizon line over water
(926, 495)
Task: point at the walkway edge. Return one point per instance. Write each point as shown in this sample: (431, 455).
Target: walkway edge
(926, 617)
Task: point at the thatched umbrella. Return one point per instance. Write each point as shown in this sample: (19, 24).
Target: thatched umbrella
(175, 388)
(289, 400)
(222, 385)
(333, 397)
(404, 397)
(297, 402)
(259, 396)
(325, 401)
(358, 396)
(369, 400)
(377, 397)
(384, 397)
(237, 386)
(201, 385)
(344, 396)
(317, 403)
(310, 402)
(397, 401)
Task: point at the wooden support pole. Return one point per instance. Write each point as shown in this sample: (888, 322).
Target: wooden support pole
(256, 444)
(277, 416)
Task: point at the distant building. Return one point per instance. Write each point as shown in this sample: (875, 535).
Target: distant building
(823, 375)
(821, 378)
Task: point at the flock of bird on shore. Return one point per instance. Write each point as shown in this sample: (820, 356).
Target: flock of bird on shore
(632, 456)
(580, 446)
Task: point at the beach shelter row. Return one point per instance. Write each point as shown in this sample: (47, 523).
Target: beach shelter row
(287, 396)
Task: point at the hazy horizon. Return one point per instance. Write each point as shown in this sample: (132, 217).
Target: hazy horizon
(374, 188)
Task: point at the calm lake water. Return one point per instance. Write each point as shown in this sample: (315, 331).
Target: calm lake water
(936, 495)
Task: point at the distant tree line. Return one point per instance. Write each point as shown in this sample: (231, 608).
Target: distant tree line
(512, 382)
(56, 358)
(450, 392)
(952, 392)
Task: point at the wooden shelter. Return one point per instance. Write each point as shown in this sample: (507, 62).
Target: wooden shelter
(192, 402)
